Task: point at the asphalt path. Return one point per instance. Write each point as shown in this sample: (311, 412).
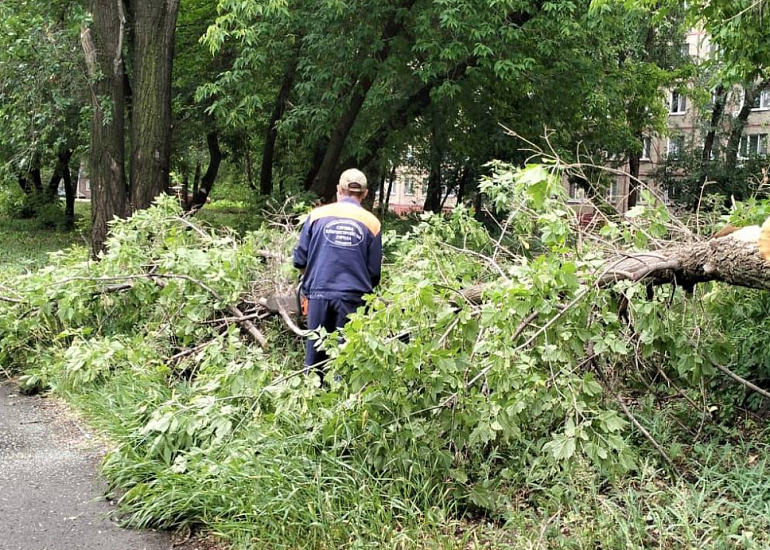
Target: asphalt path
(50, 495)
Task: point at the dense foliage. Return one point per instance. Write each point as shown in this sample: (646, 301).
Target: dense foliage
(442, 409)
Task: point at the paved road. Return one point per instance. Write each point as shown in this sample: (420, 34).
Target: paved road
(50, 496)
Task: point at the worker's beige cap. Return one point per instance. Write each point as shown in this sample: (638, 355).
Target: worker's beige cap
(353, 180)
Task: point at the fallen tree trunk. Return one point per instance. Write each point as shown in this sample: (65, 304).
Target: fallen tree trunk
(741, 259)
(735, 260)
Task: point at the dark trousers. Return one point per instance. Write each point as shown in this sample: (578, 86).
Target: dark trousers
(331, 315)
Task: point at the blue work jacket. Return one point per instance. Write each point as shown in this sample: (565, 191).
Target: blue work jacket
(340, 248)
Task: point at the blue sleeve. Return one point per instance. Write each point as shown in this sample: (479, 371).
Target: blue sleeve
(300, 253)
(374, 261)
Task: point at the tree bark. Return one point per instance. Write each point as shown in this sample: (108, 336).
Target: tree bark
(69, 189)
(34, 173)
(414, 106)
(268, 151)
(391, 181)
(247, 165)
(720, 96)
(451, 185)
(53, 183)
(381, 191)
(411, 108)
(196, 178)
(315, 164)
(734, 140)
(153, 53)
(23, 182)
(437, 146)
(207, 182)
(729, 259)
(102, 44)
(324, 183)
(462, 186)
(634, 161)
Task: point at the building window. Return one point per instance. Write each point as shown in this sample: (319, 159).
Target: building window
(678, 104)
(685, 50)
(409, 185)
(646, 148)
(576, 192)
(614, 191)
(753, 145)
(762, 100)
(675, 147)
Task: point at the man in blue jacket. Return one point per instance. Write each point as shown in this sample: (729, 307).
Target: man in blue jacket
(340, 254)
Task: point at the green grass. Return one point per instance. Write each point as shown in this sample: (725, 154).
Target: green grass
(24, 246)
(286, 493)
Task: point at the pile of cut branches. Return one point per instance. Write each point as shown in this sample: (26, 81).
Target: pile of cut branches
(487, 360)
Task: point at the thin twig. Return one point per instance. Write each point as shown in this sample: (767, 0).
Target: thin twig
(743, 381)
(633, 419)
(190, 351)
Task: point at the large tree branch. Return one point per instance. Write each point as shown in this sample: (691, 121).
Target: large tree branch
(732, 260)
(741, 259)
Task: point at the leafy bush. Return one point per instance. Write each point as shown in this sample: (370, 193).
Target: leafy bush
(47, 211)
(13, 202)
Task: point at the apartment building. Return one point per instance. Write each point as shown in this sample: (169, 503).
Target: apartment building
(685, 129)
(409, 189)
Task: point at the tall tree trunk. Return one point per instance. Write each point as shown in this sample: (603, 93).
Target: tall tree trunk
(463, 185)
(734, 139)
(381, 191)
(196, 178)
(433, 194)
(315, 164)
(34, 173)
(720, 96)
(414, 106)
(69, 188)
(633, 181)
(153, 54)
(451, 185)
(374, 176)
(53, 184)
(56, 177)
(23, 182)
(247, 164)
(391, 181)
(268, 151)
(37, 179)
(185, 191)
(207, 182)
(102, 44)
